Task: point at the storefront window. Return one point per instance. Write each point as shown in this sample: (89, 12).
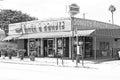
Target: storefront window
(104, 45)
(59, 43)
(63, 47)
(34, 45)
(59, 47)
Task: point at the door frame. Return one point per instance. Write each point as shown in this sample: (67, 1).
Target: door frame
(53, 43)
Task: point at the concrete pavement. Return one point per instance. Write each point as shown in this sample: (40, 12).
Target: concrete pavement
(50, 61)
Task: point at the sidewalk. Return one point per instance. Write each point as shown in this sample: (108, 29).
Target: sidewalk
(49, 61)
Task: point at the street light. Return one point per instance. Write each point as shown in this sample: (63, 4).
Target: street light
(112, 9)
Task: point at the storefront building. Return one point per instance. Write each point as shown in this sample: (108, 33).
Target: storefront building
(50, 38)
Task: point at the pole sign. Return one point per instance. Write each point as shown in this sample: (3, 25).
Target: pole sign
(73, 9)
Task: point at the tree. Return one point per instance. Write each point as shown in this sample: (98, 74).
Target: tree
(8, 16)
(112, 9)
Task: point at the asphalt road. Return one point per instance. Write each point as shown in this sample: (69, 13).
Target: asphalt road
(103, 71)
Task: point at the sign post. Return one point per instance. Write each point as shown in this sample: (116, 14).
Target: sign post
(73, 10)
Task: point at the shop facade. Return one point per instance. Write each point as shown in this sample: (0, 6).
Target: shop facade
(56, 37)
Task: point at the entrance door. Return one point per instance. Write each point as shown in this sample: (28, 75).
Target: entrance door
(25, 47)
(50, 45)
(66, 47)
(45, 48)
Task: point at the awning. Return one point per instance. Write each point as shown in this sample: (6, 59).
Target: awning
(84, 32)
(113, 33)
(56, 34)
(50, 35)
(11, 37)
(47, 35)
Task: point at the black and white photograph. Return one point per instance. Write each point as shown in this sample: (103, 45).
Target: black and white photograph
(59, 39)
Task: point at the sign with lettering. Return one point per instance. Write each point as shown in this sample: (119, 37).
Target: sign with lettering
(73, 9)
(40, 26)
(92, 24)
(15, 29)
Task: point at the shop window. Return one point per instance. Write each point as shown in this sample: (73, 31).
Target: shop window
(59, 46)
(104, 45)
(34, 45)
(60, 43)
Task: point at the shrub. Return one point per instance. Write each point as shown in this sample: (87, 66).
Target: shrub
(10, 52)
(3, 51)
(32, 55)
(21, 53)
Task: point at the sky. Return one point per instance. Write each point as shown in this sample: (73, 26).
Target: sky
(46, 9)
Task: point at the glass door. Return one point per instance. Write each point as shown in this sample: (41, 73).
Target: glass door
(50, 45)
